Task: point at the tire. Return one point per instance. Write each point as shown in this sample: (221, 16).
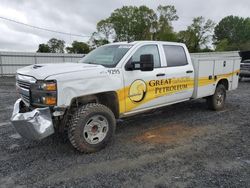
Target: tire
(91, 127)
(217, 101)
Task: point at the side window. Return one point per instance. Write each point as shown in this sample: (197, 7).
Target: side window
(148, 49)
(175, 56)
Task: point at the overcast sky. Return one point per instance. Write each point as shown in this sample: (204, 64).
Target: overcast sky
(81, 16)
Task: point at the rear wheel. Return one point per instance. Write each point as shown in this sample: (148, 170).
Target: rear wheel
(91, 127)
(217, 101)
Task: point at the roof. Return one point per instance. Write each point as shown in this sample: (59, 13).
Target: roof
(147, 41)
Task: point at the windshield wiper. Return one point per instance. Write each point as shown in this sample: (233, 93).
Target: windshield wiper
(93, 63)
(90, 62)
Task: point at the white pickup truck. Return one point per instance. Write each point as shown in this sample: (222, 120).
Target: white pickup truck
(114, 81)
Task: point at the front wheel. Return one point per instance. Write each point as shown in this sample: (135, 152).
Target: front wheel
(91, 127)
(217, 101)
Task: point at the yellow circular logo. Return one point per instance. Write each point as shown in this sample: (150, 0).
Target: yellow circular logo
(137, 91)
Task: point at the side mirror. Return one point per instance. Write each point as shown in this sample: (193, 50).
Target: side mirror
(147, 62)
(130, 65)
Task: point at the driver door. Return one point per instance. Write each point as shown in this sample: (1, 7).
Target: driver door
(140, 86)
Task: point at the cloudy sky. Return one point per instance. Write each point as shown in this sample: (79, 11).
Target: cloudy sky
(80, 17)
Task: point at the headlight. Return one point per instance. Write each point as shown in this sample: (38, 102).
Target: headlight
(44, 86)
(44, 93)
(49, 86)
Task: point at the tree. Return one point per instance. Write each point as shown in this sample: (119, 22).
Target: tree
(53, 46)
(78, 48)
(222, 45)
(122, 20)
(56, 45)
(43, 48)
(97, 40)
(133, 23)
(189, 38)
(105, 28)
(146, 22)
(232, 33)
(198, 34)
(167, 14)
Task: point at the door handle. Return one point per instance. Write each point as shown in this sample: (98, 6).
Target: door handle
(161, 74)
(189, 71)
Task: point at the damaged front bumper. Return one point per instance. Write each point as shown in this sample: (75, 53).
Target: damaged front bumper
(33, 125)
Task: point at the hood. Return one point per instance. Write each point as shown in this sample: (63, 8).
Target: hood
(42, 71)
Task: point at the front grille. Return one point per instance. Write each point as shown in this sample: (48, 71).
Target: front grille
(245, 66)
(26, 99)
(23, 88)
(23, 84)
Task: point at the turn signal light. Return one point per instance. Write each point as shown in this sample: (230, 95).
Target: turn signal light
(49, 100)
(50, 86)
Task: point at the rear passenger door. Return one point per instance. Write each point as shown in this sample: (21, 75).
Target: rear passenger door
(180, 72)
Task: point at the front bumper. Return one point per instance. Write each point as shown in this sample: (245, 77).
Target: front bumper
(33, 125)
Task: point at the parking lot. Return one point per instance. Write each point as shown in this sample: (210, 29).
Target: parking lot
(183, 145)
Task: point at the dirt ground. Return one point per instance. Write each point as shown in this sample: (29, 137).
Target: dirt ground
(183, 145)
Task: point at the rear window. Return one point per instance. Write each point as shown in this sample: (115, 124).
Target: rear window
(175, 56)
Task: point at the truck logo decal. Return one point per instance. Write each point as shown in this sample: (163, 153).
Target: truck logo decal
(164, 86)
(137, 91)
(130, 99)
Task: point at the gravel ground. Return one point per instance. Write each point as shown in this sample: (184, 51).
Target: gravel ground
(183, 145)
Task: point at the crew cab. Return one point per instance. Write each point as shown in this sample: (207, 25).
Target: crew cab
(114, 81)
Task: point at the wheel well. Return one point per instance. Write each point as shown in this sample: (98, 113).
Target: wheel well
(224, 82)
(108, 99)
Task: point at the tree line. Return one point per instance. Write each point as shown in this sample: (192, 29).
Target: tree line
(131, 23)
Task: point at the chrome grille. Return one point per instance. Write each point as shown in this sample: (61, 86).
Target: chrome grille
(23, 87)
(245, 66)
(26, 99)
(23, 84)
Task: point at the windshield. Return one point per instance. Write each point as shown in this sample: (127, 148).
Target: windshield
(107, 56)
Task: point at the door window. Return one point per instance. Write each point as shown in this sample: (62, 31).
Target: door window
(175, 56)
(148, 49)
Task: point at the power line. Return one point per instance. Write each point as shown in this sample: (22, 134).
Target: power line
(41, 28)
